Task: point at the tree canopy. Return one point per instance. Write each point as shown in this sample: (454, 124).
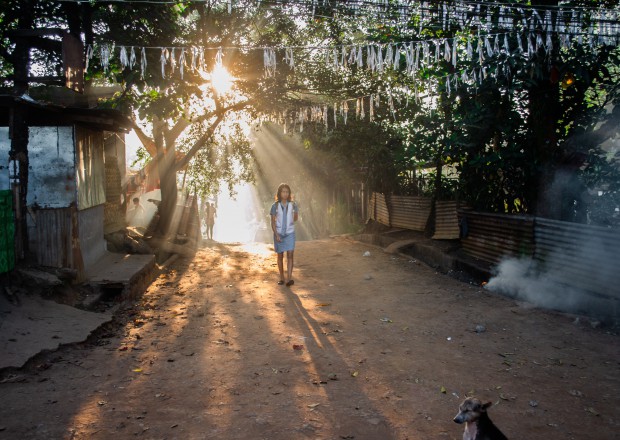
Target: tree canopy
(508, 96)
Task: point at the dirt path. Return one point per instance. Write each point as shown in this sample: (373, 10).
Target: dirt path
(209, 353)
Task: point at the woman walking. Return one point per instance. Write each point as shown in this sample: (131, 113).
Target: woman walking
(284, 214)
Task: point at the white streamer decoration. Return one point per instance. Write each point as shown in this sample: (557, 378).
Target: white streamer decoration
(162, 61)
(105, 54)
(371, 109)
(288, 58)
(132, 58)
(123, 57)
(335, 115)
(182, 62)
(269, 57)
(89, 56)
(142, 63)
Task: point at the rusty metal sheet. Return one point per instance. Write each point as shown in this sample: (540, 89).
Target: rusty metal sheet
(446, 220)
(5, 147)
(89, 150)
(491, 237)
(50, 232)
(582, 256)
(51, 183)
(378, 209)
(91, 241)
(410, 212)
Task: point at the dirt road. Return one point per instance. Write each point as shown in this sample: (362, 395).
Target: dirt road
(361, 347)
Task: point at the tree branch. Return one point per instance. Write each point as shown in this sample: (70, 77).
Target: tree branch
(182, 163)
(148, 143)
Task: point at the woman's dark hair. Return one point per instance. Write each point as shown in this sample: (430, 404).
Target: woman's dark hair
(280, 188)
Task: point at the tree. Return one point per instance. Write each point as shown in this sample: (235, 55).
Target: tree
(521, 116)
(31, 53)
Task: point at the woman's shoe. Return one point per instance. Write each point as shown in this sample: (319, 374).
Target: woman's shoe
(281, 282)
(289, 283)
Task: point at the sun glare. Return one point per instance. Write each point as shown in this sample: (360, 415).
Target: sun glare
(221, 80)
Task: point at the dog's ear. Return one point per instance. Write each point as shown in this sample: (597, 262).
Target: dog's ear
(487, 405)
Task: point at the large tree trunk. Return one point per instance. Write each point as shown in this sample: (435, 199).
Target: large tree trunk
(543, 117)
(167, 177)
(168, 185)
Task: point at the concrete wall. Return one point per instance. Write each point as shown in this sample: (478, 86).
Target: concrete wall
(51, 181)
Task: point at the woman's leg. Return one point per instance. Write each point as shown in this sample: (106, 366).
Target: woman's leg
(281, 265)
(289, 264)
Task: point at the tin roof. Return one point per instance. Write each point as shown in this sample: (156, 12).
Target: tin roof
(46, 114)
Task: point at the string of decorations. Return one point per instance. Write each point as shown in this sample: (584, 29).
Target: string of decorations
(501, 29)
(376, 57)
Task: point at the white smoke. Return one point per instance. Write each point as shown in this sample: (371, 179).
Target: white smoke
(521, 280)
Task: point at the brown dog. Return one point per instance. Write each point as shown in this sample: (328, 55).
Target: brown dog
(478, 425)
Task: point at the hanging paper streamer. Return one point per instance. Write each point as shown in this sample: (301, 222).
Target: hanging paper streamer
(371, 109)
(335, 115)
(105, 54)
(194, 52)
(162, 61)
(173, 60)
(124, 59)
(132, 58)
(288, 58)
(391, 106)
(218, 57)
(325, 116)
(270, 61)
(182, 62)
(142, 63)
(89, 56)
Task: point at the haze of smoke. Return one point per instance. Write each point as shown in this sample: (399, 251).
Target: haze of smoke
(520, 279)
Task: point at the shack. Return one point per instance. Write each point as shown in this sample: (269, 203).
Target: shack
(67, 182)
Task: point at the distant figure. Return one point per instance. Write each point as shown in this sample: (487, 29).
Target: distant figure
(210, 214)
(284, 214)
(137, 214)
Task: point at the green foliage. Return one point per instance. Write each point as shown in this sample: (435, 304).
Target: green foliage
(508, 135)
(227, 157)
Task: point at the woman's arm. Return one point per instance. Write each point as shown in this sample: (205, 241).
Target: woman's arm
(273, 227)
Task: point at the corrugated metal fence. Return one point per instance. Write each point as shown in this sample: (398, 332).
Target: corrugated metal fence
(446, 220)
(491, 237)
(409, 212)
(584, 256)
(379, 210)
(581, 256)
